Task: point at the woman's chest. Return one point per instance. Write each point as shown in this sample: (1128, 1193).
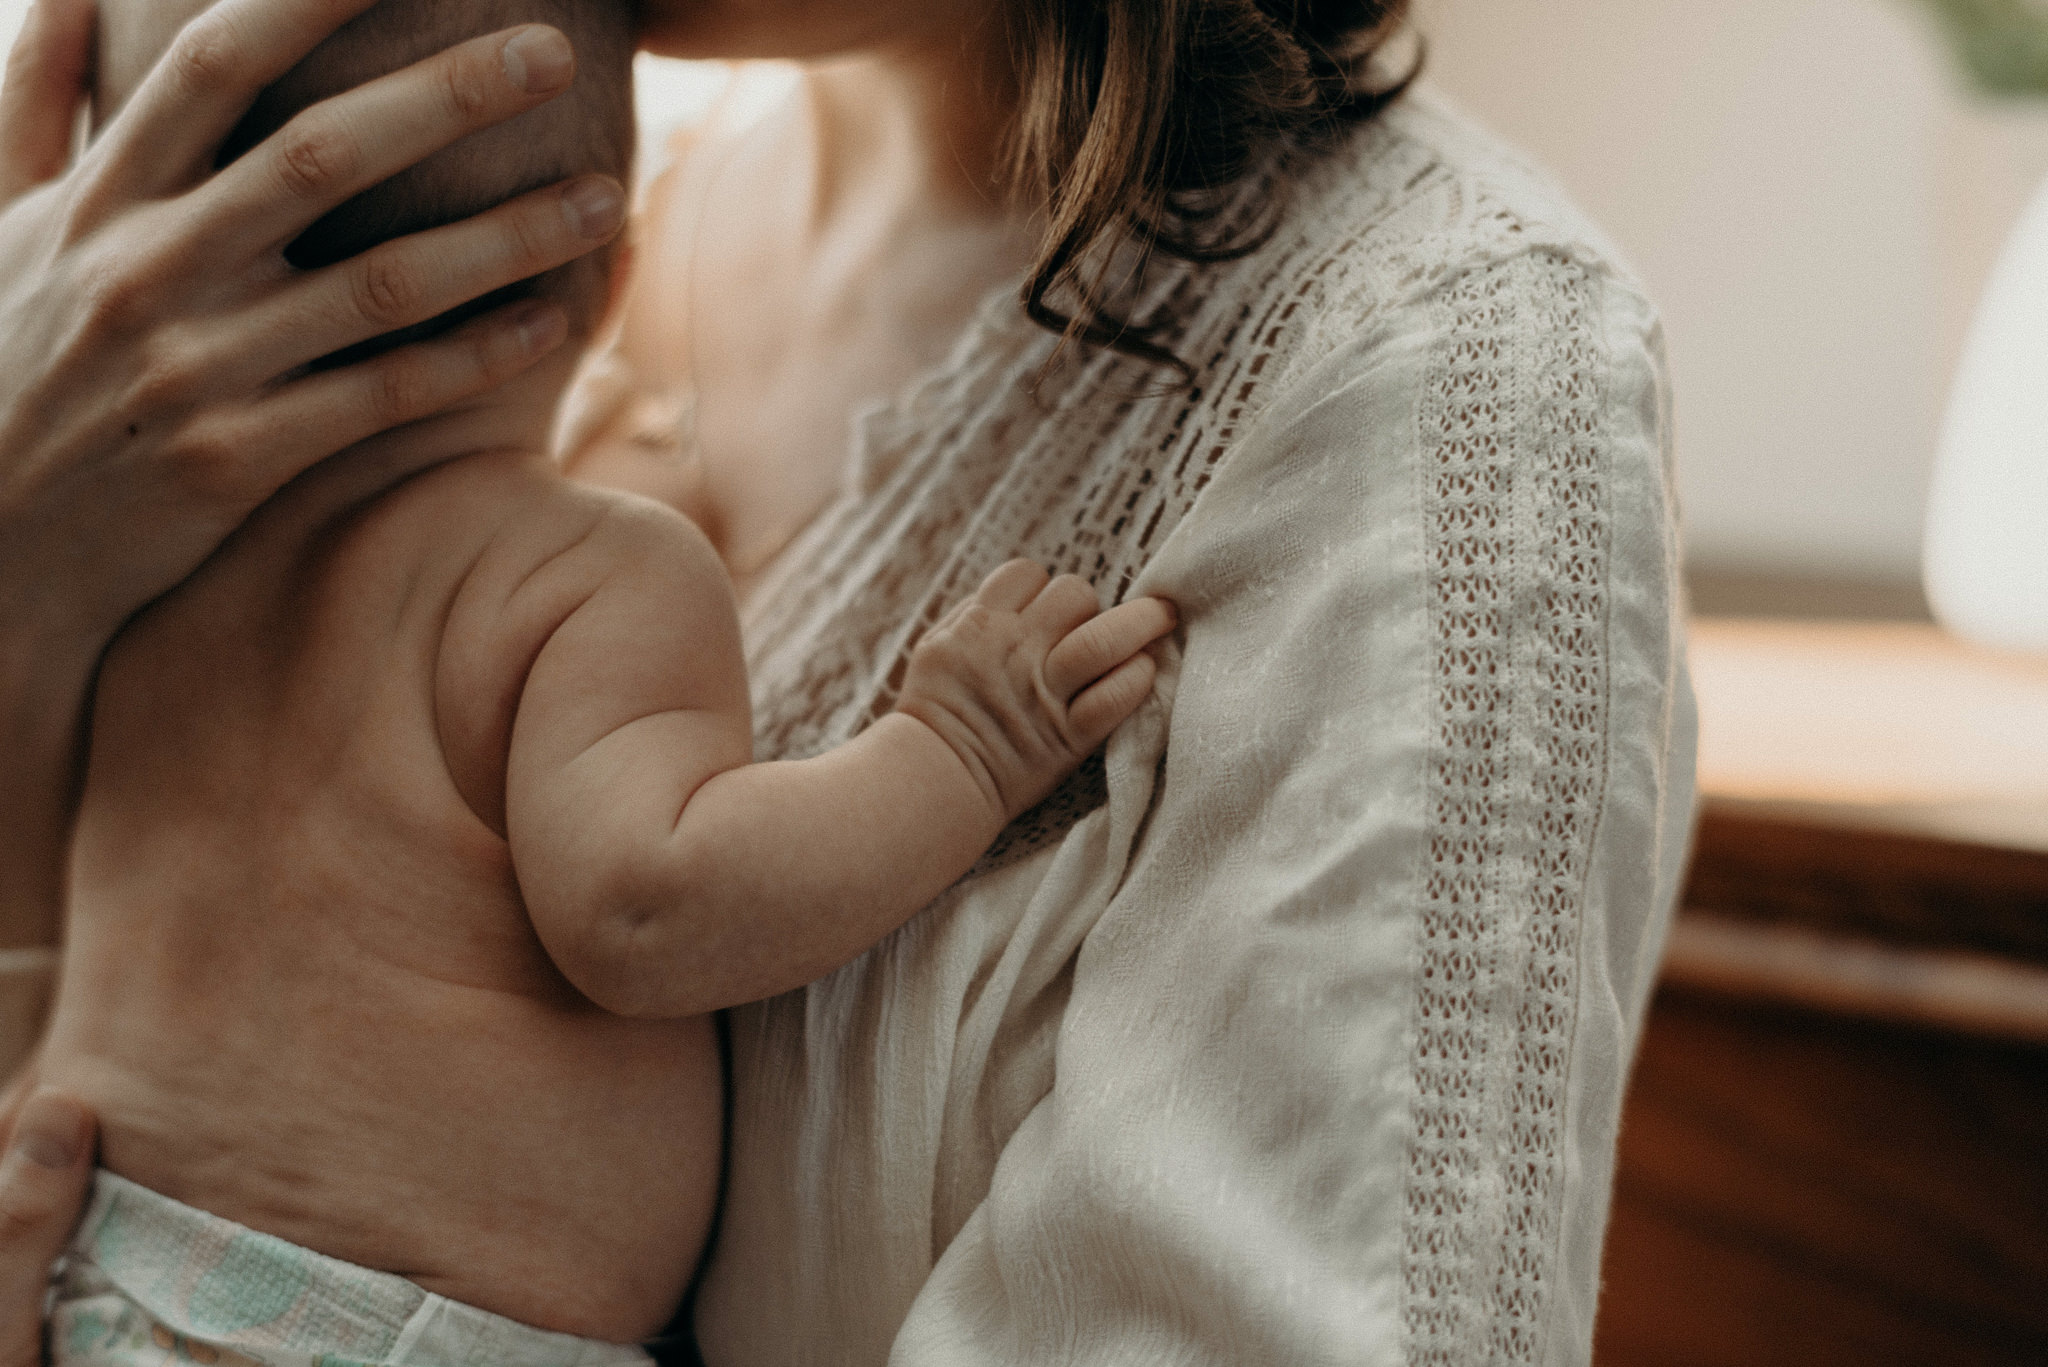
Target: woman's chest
(768, 342)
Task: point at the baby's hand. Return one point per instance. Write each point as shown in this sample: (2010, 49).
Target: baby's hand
(1027, 677)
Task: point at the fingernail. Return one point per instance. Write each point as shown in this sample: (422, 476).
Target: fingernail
(595, 207)
(541, 329)
(539, 59)
(51, 1132)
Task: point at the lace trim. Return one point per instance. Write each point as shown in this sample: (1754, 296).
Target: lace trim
(1083, 469)
(1517, 552)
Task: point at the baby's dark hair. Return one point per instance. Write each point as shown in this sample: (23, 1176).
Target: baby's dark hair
(588, 128)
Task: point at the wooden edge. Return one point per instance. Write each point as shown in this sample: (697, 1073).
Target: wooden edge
(1948, 990)
(2012, 834)
(1858, 838)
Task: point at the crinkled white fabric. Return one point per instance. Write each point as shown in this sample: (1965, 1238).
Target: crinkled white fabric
(1296, 1031)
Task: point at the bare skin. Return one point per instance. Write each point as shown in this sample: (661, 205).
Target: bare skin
(147, 408)
(147, 404)
(802, 266)
(908, 113)
(419, 835)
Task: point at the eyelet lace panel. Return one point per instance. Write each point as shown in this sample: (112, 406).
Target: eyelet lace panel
(1516, 552)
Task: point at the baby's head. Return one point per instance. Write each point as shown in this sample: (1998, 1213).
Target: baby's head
(588, 128)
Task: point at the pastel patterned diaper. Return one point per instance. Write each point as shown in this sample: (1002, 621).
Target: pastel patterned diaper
(151, 1282)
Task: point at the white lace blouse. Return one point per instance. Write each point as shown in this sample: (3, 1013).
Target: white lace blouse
(1294, 1031)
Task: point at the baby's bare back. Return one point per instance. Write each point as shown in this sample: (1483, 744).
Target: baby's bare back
(301, 987)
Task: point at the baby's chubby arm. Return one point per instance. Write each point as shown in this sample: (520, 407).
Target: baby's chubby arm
(668, 876)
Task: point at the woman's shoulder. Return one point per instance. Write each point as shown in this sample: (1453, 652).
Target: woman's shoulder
(1394, 228)
(1435, 329)
(1441, 194)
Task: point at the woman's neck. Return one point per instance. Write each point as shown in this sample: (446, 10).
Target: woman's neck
(925, 126)
(824, 257)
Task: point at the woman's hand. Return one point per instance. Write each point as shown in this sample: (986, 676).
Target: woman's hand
(152, 337)
(44, 1178)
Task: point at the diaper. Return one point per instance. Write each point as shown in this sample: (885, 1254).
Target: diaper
(151, 1282)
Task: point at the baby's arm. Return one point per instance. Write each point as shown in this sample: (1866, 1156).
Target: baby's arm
(668, 876)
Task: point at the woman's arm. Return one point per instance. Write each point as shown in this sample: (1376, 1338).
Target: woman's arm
(153, 342)
(1340, 1062)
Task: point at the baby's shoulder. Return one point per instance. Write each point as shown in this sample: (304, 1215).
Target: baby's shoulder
(558, 548)
(548, 544)
(516, 515)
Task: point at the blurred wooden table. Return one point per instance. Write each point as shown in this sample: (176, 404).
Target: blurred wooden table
(1835, 1148)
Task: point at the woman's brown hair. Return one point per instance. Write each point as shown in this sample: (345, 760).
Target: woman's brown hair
(1138, 118)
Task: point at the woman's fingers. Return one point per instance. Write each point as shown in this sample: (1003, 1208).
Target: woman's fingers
(166, 135)
(44, 1180)
(46, 78)
(338, 148)
(311, 418)
(412, 279)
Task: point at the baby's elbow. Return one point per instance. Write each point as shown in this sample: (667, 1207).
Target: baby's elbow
(606, 967)
(626, 951)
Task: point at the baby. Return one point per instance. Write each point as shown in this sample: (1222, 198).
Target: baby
(421, 832)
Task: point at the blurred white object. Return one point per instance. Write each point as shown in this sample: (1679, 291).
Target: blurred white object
(1986, 555)
(668, 95)
(12, 12)
(671, 95)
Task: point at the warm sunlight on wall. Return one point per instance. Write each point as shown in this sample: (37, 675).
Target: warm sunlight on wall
(1859, 712)
(1814, 202)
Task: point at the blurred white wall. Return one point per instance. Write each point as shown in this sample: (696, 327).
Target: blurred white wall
(11, 12)
(1813, 198)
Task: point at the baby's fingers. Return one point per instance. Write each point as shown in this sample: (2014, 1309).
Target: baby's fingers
(1061, 608)
(1103, 642)
(1012, 586)
(1104, 706)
